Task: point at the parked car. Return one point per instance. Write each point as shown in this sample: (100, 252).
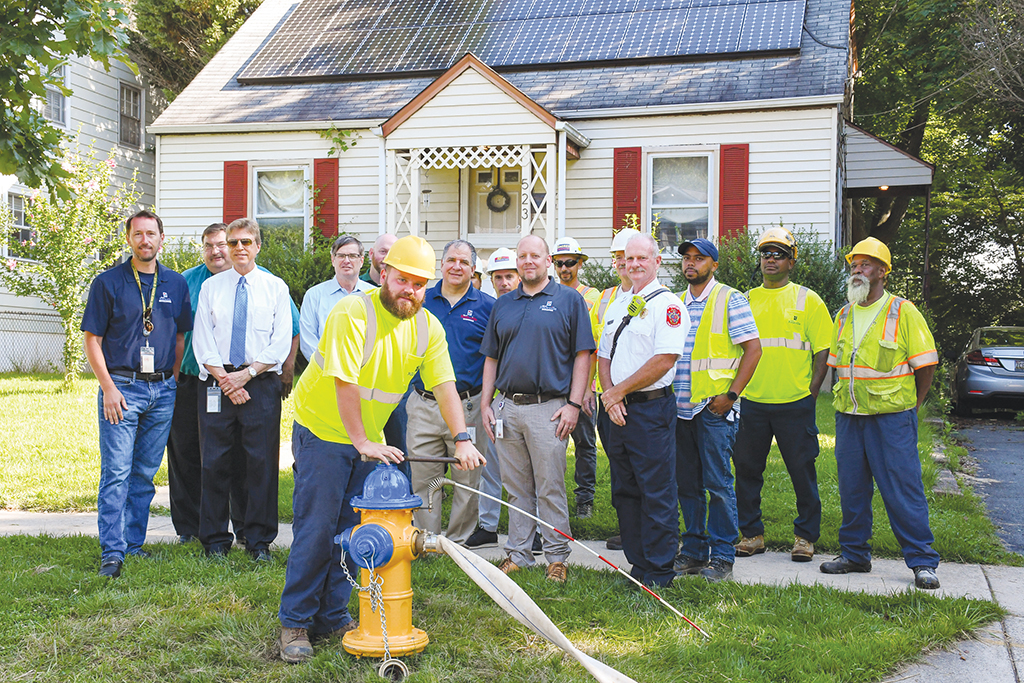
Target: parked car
(990, 371)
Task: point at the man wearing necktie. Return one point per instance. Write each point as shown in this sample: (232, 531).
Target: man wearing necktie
(241, 344)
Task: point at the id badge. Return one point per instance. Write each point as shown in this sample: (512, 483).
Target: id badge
(213, 395)
(148, 355)
(472, 434)
(499, 429)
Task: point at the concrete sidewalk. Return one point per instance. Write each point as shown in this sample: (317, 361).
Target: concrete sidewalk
(993, 655)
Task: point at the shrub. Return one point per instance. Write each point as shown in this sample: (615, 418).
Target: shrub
(282, 253)
(181, 253)
(598, 275)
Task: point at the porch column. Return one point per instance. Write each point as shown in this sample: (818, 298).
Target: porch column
(415, 196)
(392, 184)
(561, 183)
(555, 209)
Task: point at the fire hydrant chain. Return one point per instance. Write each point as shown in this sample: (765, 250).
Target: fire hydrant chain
(375, 587)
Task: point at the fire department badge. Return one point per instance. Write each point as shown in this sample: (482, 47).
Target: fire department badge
(673, 316)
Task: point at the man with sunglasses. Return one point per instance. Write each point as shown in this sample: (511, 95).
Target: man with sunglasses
(568, 258)
(242, 339)
(795, 329)
(184, 464)
(135, 322)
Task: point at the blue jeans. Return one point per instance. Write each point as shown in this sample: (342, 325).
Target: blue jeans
(703, 454)
(327, 476)
(130, 455)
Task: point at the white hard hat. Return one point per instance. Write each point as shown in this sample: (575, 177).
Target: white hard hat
(621, 237)
(501, 259)
(479, 266)
(567, 246)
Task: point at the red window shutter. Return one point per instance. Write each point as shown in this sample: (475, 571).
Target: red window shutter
(236, 190)
(626, 185)
(325, 203)
(733, 190)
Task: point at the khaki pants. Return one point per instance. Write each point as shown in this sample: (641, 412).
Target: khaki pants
(533, 472)
(427, 434)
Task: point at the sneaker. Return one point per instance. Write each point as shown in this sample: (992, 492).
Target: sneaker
(482, 538)
(557, 572)
(925, 577)
(842, 565)
(688, 565)
(719, 569)
(538, 544)
(803, 550)
(110, 568)
(584, 510)
(507, 566)
(614, 543)
(294, 644)
(750, 546)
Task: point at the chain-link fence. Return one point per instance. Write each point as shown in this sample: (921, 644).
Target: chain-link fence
(31, 341)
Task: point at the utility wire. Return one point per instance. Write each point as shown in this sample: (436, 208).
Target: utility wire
(922, 99)
(819, 41)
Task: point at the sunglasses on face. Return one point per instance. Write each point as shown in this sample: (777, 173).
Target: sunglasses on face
(245, 242)
(774, 254)
(567, 263)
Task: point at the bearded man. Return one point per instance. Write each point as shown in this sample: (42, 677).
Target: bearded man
(885, 357)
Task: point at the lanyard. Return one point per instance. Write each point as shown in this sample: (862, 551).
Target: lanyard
(147, 321)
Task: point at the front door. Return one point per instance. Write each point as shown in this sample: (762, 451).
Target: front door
(494, 200)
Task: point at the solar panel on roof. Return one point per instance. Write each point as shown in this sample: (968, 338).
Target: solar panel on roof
(325, 39)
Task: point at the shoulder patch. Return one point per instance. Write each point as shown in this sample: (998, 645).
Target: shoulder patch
(673, 316)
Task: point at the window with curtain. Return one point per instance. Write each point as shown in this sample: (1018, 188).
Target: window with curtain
(679, 195)
(281, 202)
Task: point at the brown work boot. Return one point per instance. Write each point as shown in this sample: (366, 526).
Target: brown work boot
(507, 566)
(295, 645)
(557, 572)
(336, 633)
(750, 546)
(803, 550)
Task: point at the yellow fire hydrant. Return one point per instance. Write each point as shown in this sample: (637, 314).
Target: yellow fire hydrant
(383, 544)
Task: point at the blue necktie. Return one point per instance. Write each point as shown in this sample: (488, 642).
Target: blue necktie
(237, 356)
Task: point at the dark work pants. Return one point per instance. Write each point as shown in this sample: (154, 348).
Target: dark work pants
(394, 432)
(185, 465)
(642, 458)
(794, 428)
(256, 428)
(585, 439)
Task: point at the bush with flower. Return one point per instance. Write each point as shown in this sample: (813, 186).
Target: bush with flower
(70, 242)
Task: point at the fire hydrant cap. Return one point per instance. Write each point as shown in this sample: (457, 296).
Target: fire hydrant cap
(386, 488)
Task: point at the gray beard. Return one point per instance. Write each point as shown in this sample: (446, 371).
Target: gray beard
(857, 289)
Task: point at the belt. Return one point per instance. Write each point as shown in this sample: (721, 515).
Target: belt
(144, 376)
(645, 396)
(234, 368)
(532, 399)
(463, 395)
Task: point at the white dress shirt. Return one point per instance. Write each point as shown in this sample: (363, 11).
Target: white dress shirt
(268, 322)
(316, 306)
(661, 328)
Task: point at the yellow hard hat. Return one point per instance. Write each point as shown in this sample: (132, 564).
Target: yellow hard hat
(780, 236)
(412, 255)
(871, 247)
(621, 237)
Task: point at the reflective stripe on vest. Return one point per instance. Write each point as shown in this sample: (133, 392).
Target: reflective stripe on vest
(606, 298)
(422, 339)
(889, 332)
(864, 372)
(796, 343)
(714, 364)
(713, 352)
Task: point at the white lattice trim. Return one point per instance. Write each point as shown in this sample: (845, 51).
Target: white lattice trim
(467, 157)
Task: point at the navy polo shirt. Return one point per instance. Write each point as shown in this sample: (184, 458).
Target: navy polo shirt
(464, 325)
(535, 339)
(114, 312)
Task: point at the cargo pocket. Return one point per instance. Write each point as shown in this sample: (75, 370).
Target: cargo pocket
(887, 353)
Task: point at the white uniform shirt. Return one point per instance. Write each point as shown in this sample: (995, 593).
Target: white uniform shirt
(661, 328)
(316, 306)
(268, 324)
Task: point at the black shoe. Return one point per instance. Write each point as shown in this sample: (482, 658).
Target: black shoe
(842, 565)
(688, 565)
(261, 555)
(925, 577)
(538, 544)
(185, 539)
(482, 538)
(614, 543)
(719, 569)
(584, 510)
(217, 552)
(141, 554)
(110, 568)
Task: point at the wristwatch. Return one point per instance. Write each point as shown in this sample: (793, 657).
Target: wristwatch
(463, 436)
(732, 396)
(252, 371)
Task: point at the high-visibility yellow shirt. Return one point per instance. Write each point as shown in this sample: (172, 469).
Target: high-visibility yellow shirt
(382, 380)
(590, 294)
(792, 331)
(598, 317)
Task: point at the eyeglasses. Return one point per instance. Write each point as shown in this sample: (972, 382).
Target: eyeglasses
(567, 263)
(349, 257)
(245, 242)
(774, 254)
(214, 247)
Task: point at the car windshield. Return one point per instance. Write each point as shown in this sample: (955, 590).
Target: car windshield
(1011, 336)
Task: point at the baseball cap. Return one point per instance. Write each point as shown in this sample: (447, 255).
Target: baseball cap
(704, 246)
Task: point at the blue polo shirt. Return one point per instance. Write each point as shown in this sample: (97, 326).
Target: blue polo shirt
(535, 339)
(195, 277)
(464, 325)
(114, 312)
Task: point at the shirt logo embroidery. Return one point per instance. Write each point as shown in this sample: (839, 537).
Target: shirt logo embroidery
(673, 316)
(164, 299)
(549, 307)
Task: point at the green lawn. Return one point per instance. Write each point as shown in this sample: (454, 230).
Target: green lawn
(180, 617)
(49, 460)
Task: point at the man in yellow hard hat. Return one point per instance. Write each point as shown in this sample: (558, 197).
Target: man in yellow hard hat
(372, 346)
(885, 358)
(795, 329)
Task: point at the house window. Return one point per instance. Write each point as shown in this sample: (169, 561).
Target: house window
(131, 116)
(679, 196)
(22, 231)
(281, 202)
(55, 105)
